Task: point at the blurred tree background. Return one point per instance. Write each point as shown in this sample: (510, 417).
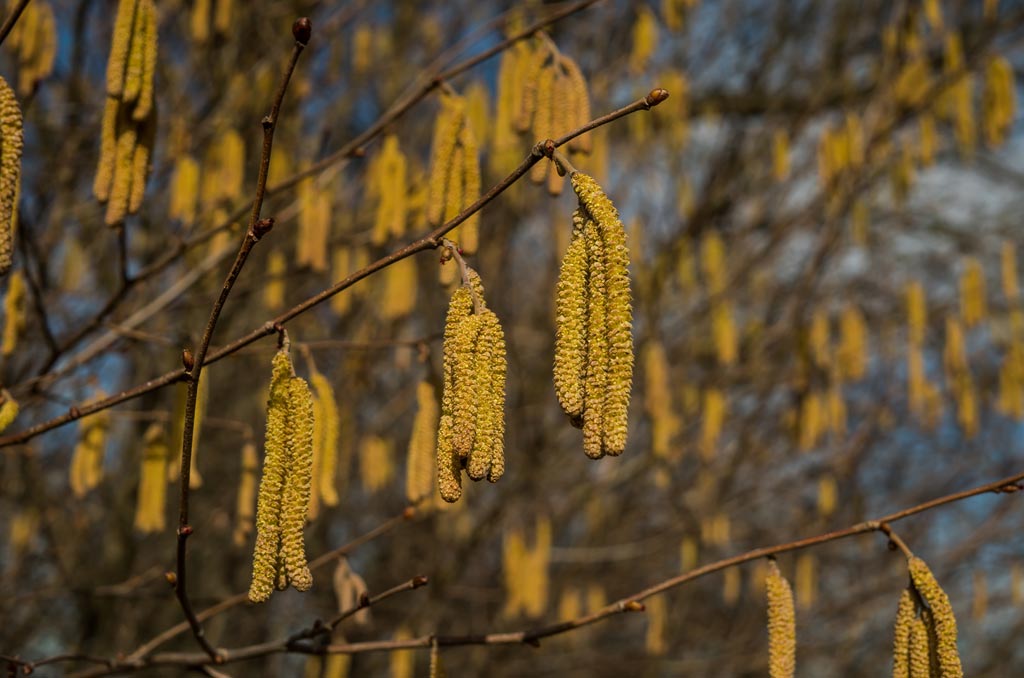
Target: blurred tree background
(827, 319)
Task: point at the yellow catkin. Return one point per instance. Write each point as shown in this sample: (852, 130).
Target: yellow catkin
(780, 155)
(943, 621)
(245, 502)
(222, 16)
(533, 65)
(920, 660)
(514, 558)
(715, 407)
(149, 506)
(569, 604)
(14, 313)
(1008, 270)
(199, 20)
(399, 296)
(443, 165)
(658, 399)
(689, 552)
(8, 409)
(723, 330)
(645, 39)
(828, 492)
(712, 257)
(478, 113)
(140, 164)
(149, 30)
(123, 168)
(536, 581)
(326, 428)
(388, 185)
(999, 100)
(314, 229)
(852, 353)
(901, 635)
(184, 190)
(806, 580)
(928, 139)
(571, 324)
(120, 46)
(578, 103)
(781, 625)
(376, 466)
(657, 623)
(472, 426)
(274, 289)
(544, 118)
(86, 470)
(973, 307)
(609, 368)
(419, 466)
(917, 314)
(10, 172)
(732, 586)
(108, 150)
(279, 555)
(402, 662)
(468, 232)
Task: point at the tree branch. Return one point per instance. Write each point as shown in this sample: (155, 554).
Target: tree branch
(429, 241)
(257, 229)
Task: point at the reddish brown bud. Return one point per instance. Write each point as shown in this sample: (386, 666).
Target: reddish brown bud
(409, 513)
(656, 96)
(187, 359)
(171, 578)
(634, 606)
(549, 148)
(185, 531)
(262, 227)
(419, 580)
(302, 29)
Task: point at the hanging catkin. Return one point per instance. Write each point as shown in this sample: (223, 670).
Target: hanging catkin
(86, 470)
(781, 624)
(942, 630)
(129, 121)
(8, 409)
(184, 190)
(149, 507)
(245, 502)
(34, 40)
(10, 172)
(387, 184)
(14, 313)
(973, 307)
(901, 635)
(419, 465)
(593, 366)
(326, 428)
(472, 425)
(279, 557)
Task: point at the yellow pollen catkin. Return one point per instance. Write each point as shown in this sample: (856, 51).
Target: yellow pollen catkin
(274, 290)
(388, 185)
(10, 172)
(149, 507)
(86, 470)
(905, 617)
(658, 400)
(14, 313)
(781, 624)
(283, 500)
(607, 341)
(184, 190)
(8, 409)
(645, 39)
(943, 622)
(245, 502)
(715, 407)
(577, 101)
(399, 296)
(376, 466)
(419, 466)
(1008, 269)
(917, 314)
(972, 293)
(472, 426)
(657, 621)
(780, 155)
(852, 351)
(326, 429)
(445, 172)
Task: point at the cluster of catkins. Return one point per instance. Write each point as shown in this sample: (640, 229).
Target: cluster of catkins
(279, 558)
(472, 427)
(593, 369)
(129, 118)
(925, 637)
(34, 41)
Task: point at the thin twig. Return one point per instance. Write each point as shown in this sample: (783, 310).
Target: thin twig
(430, 241)
(630, 603)
(257, 229)
(12, 19)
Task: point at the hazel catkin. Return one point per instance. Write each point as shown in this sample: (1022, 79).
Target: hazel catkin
(594, 346)
(10, 172)
(472, 425)
(781, 624)
(279, 556)
(943, 622)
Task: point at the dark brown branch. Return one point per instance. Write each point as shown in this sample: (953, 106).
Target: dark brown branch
(257, 229)
(430, 241)
(631, 603)
(12, 19)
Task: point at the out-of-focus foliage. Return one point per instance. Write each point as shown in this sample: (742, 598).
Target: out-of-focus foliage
(822, 220)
